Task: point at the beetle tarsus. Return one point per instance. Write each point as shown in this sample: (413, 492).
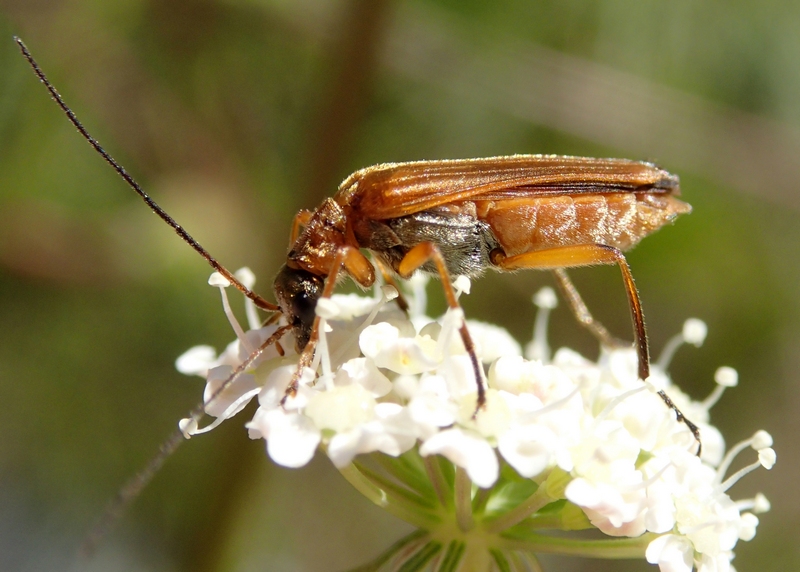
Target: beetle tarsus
(682, 418)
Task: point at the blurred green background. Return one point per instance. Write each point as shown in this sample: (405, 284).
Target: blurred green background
(234, 114)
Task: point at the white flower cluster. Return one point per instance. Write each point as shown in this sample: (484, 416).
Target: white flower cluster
(383, 381)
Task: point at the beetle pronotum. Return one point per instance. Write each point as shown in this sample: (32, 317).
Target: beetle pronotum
(449, 217)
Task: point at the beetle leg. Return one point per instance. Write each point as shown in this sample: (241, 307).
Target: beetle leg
(300, 220)
(389, 279)
(362, 272)
(586, 255)
(581, 312)
(416, 258)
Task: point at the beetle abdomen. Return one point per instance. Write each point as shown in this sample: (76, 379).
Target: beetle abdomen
(614, 219)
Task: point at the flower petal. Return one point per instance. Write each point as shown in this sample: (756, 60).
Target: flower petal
(468, 451)
(291, 438)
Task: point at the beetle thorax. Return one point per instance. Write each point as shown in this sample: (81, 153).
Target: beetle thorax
(316, 246)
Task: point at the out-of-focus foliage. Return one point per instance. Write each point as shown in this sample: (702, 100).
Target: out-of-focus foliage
(234, 114)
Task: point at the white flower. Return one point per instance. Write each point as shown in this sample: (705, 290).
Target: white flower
(589, 433)
(387, 433)
(530, 449)
(196, 361)
(430, 406)
(291, 438)
(671, 552)
(341, 408)
(467, 450)
(228, 402)
(383, 344)
(492, 342)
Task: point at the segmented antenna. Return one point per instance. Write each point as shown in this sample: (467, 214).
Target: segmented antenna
(119, 504)
(187, 238)
(116, 508)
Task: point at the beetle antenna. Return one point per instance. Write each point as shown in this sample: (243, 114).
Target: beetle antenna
(187, 238)
(128, 493)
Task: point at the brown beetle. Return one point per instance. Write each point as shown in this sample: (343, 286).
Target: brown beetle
(451, 217)
(462, 217)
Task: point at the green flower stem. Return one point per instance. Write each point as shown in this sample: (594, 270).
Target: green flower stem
(418, 561)
(476, 558)
(568, 517)
(411, 476)
(519, 513)
(463, 500)
(398, 506)
(452, 557)
(550, 522)
(615, 548)
(409, 543)
(391, 487)
(440, 485)
(524, 561)
(502, 560)
(480, 501)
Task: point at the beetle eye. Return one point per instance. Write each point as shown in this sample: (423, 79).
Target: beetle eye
(303, 307)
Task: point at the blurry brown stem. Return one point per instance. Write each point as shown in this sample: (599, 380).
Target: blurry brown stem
(353, 62)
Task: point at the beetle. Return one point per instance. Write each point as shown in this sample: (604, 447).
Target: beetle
(446, 217)
(463, 217)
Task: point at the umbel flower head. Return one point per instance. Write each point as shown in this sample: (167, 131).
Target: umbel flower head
(562, 444)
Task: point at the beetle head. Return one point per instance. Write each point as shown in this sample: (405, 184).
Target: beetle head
(297, 292)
